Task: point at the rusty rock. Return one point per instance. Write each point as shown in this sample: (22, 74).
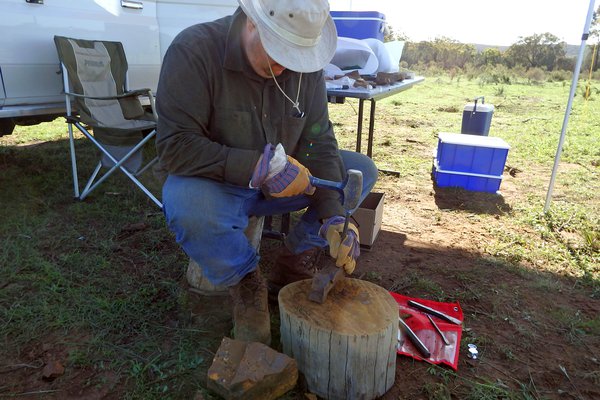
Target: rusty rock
(242, 370)
(53, 370)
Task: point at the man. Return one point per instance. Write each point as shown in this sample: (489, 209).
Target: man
(243, 122)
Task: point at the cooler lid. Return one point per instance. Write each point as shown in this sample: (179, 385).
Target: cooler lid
(473, 140)
(480, 107)
(357, 15)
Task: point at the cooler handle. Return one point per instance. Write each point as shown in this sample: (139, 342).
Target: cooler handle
(475, 100)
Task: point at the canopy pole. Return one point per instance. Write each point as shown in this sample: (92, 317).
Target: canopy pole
(584, 37)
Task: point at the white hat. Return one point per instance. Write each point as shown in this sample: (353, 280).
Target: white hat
(298, 34)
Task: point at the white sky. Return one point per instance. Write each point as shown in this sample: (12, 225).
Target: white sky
(492, 22)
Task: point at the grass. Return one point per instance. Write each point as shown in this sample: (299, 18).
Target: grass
(98, 281)
(529, 118)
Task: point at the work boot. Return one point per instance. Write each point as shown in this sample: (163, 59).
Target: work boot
(251, 321)
(291, 267)
(199, 284)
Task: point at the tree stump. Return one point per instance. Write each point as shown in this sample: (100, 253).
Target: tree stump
(345, 347)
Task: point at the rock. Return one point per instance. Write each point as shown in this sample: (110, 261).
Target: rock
(242, 370)
(53, 370)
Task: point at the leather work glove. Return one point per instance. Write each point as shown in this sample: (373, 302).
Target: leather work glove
(281, 175)
(344, 250)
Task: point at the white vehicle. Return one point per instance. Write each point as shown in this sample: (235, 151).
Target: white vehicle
(30, 81)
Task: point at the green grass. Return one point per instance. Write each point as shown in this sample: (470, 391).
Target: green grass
(530, 119)
(75, 276)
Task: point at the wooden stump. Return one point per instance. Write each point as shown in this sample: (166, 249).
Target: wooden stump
(345, 347)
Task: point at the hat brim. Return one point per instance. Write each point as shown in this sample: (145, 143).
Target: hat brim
(290, 55)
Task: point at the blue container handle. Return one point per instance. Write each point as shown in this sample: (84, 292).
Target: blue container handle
(475, 100)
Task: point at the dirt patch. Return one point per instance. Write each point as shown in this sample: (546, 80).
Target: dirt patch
(536, 330)
(529, 326)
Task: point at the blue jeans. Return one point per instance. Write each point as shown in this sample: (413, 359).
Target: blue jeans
(209, 219)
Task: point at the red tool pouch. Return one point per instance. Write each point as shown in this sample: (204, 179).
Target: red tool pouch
(423, 328)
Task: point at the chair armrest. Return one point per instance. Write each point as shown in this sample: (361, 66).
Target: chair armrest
(132, 93)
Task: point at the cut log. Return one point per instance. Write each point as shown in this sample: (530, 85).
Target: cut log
(345, 347)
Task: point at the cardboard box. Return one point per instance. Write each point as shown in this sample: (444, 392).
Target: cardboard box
(368, 216)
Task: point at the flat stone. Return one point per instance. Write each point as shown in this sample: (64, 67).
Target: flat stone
(52, 370)
(249, 371)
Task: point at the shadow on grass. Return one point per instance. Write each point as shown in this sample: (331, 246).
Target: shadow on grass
(526, 323)
(451, 198)
(47, 165)
(80, 285)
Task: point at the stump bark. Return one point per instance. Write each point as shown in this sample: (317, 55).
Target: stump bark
(345, 347)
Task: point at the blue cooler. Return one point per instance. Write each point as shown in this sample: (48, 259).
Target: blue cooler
(477, 118)
(359, 24)
(470, 162)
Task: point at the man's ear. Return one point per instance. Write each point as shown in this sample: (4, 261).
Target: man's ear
(250, 25)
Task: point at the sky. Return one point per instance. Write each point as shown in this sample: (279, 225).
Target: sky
(491, 22)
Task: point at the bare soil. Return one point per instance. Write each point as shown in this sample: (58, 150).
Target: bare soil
(528, 323)
(519, 317)
(433, 245)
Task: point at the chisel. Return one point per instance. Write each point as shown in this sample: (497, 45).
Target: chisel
(415, 339)
(439, 331)
(433, 312)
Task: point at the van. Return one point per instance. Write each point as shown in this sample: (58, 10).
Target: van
(31, 88)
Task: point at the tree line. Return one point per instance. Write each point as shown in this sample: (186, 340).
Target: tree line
(543, 51)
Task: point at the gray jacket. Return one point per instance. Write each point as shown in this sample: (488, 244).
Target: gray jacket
(216, 114)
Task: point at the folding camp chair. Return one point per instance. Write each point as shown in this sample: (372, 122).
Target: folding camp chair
(97, 96)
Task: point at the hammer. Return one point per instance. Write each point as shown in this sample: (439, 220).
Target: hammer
(350, 190)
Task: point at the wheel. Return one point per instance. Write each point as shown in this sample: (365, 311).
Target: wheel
(7, 126)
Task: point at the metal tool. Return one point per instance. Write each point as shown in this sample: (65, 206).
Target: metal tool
(350, 190)
(324, 281)
(439, 331)
(433, 312)
(414, 339)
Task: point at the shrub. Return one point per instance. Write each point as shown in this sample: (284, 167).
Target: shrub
(496, 74)
(559, 76)
(536, 75)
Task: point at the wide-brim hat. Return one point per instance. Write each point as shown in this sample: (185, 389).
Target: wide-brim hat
(298, 34)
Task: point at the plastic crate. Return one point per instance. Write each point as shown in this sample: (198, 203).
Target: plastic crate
(466, 180)
(359, 24)
(471, 153)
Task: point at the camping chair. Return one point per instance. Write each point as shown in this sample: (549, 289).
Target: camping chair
(97, 96)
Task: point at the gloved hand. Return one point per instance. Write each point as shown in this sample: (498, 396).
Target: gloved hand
(281, 175)
(345, 251)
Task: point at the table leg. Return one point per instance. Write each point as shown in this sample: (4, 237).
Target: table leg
(359, 124)
(371, 127)
(370, 139)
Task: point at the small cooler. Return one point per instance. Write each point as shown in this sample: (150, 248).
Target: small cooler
(359, 24)
(476, 118)
(471, 162)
